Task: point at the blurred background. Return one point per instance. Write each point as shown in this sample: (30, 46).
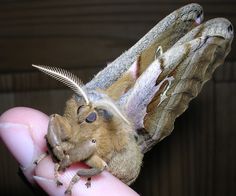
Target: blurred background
(198, 158)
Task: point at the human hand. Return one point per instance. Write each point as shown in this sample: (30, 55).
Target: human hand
(23, 130)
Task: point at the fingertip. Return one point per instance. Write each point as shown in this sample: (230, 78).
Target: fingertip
(18, 114)
(22, 130)
(35, 120)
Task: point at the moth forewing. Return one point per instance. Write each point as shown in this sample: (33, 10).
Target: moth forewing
(164, 34)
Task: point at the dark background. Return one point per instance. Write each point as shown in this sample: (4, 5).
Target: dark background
(199, 158)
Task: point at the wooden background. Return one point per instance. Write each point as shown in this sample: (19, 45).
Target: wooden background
(199, 158)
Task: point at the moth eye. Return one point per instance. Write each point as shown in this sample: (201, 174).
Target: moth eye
(93, 141)
(91, 117)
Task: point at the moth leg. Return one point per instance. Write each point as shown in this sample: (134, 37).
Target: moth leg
(82, 173)
(58, 132)
(65, 163)
(60, 166)
(158, 52)
(97, 164)
(40, 158)
(72, 182)
(58, 129)
(57, 135)
(56, 174)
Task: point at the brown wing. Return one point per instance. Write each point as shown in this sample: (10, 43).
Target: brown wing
(164, 90)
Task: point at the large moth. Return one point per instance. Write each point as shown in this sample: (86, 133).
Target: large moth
(132, 103)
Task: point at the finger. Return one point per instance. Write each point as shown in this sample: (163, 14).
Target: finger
(103, 184)
(22, 130)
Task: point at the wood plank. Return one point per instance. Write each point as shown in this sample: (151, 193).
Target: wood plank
(99, 13)
(226, 73)
(43, 13)
(49, 102)
(7, 101)
(34, 81)
(43, 100)
(100, 4)
(225, 137)
(19, 54)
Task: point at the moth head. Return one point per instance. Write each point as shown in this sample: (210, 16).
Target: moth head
(58, 140)
(100, 121)
(89, 112)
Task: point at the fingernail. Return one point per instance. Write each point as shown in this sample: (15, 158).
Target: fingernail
(45, 180)
(18, 140)
(49, 186)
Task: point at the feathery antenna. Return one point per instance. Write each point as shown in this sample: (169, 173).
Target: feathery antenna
(66, 77)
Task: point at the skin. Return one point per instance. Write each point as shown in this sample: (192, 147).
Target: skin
(24, 137)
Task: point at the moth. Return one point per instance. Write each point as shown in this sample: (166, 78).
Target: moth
(132, 103)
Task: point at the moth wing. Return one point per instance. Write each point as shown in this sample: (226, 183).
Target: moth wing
(164, 90)
(164, 34)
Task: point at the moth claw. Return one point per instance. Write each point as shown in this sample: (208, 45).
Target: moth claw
(36, 162)
(58, 183)
(88, 183)
(67, 192)
(40, 158)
